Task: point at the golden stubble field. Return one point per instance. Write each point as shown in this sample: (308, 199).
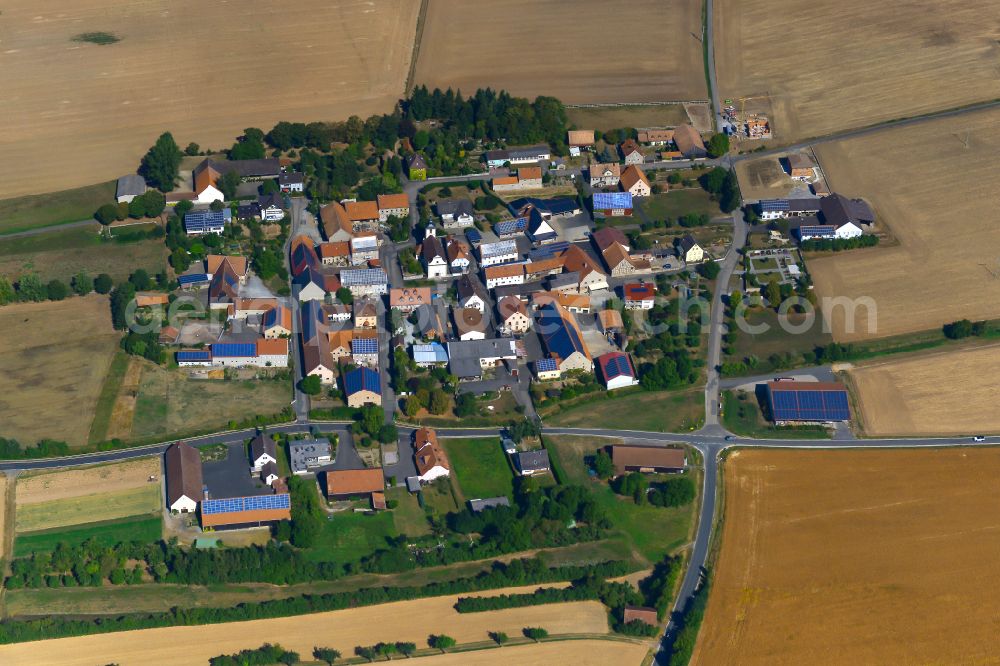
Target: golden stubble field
(936, 197)
(951, 392)
(576, 51)
(78, 113)
(856, 557)
(54, 357)
(342, 630)
(838, 65)
(33, 488)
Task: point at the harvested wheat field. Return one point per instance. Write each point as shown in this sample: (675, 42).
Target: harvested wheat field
(856, 557)
(839, 65)
(944, 393)
(36, 487)
(342, 630)
(922, 182)
(564, 49)
(578, 653)
(54, 356)
(85, 112)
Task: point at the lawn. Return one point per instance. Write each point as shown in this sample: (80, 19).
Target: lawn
(659, 411)
(441, 497)
(651, 531)
(776, 339)
(671, 205)
(137, 528)
(481, 467)
(170, 402)
(64, 253)
(348, 536)
(41, 210)
(743, 417)
(79, 510)
(408, 517)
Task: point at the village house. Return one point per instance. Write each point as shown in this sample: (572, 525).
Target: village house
(801, 167)
(467, 359)
(365, 281)
(634, 181)
(689, 142)
(590, 276)
(263, 450)
(458, 256)
(471, 294)
(291, 181)
(337, 312)
(364, 248)
(455, 213)
(529, 463)
(562, 338)
(276, 323)
(408, 299)
(337, 253)
(631, 153)
(314, 284)
(429, 355)
(547, 369)
(639, 296)
(416, 167)
(308, 453)
(580, 138)
(470, 323)
(517, 155)
(362, 386)
(201, 222)
(430, 457)
(648, 459)
(539, 230)
(392, 205)
(513, 314)
(363, 215)
(690, 251)
(364, 352)
(339, 343)
(303, 255)
(501, 252)
(621, 263)
(184, 477)
(605, 237)
(272, 207)
(610, 321)
(604, 175)
(503, 274)
(246, 308)
(365, 312)
(351, 483)
(656, 137)
(337, 226)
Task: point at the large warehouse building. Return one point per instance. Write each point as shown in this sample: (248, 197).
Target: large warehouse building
(807, 402)
(239, 512)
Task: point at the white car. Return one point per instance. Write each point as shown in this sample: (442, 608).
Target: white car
(979, 438)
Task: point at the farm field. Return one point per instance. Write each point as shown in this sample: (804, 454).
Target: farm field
(658, 411)
(54, 356)
(342, 630)
(63, 254)
(603, 119)
(929, 278)
(6, 530)
(145, 529)
(457, 50)
(21, 213)
(170, 402)
(579, 653)
(79, 129)
(855, 556)
(33, 488)
(860, 64)
(481, 467)
(941, 393)
(82, 509)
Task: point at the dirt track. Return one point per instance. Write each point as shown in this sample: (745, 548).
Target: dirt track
(856, 557)
(81, 113)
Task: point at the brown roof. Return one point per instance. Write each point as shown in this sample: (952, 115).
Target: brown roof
(605, 236)
(651, 135)
(428, 451)
(316, 354)
(238, 263)
(610, 319)
(508, 306)
(143, 300)
(504, 270)
(335, 219)
(456, 250)
(469, 319)
(632, 175)
(800, 161)
(409, 296)
(275, 347)
(378, 501)
(641, 613)
(389, 201)
(629, 146)
(335, 249)
(262, 304)
(365, 307)
(238, 517)
(543, 266)
(787, 385)
(354, 482)
(580, 137)
(205, 175)
(505, 180)
(340, 340)
(169, 334)
(687, 139)
(639, 292)
(572, 300)
(616, 254)
(599, 169)
(361, 210)
(529, 173)
(647, 456)
(183, 464)
(578, 261)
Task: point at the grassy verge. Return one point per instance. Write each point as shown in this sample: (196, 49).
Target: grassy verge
(743, 417)
(481, 467)
(106, 400)
(660, 411)
(107, 533)
(42, 210)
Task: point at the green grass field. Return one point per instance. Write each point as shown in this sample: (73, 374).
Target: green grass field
(671, 205)
(79, 510)
(42, 210)
(63, 253)
(651, 531)
(137, 528)
(349, 536)
(658, 411)
(408, 517)
(776, 339)
(480, 467)
(106, 400)
(743, 417)
(441, 496)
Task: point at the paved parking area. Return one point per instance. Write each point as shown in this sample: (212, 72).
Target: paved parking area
(231, 477)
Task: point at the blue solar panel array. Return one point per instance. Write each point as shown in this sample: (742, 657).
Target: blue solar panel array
(364, 346)
(192, 279)
(510, 226)
(612, 200)
(779, 205)
(241, 349)
(808, 405)
(548, 251)
(362, 379)
(195, 355)
(312, 317)
(817, 231)
(238, 504)
(617, 366)
(474, 236)
(546, 365)
(202, 221)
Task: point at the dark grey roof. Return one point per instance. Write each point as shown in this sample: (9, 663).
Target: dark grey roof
(570, 279)
(262, 444)
(805, 205)
(839, 210)
(518, 290)
(454, 207)
(469, 286)
(687, 243)
(290, 178)
(268, 167)
(478, 505)
(533, 460)
(131, 185)
(465, 368)
(245, 211)
(479, 349)
(272, 199)
(417, 161)
(432, 247)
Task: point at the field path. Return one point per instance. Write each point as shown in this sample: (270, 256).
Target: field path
(7, 513)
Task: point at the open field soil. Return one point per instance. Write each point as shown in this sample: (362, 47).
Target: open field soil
(916, 180)
(62, 254)
(54, 356)
(858, 63)
(764, 178)
(171, 402)
(342, 630)
(943, 393)
(604, 118)
(855, 557)
(538, 48)
(85, 112)
(579, 653)
(658, 411)
(34, 488)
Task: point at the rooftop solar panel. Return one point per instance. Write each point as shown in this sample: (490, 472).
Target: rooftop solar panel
(606, 200)
(546, 364)
(774, 205)
(194, 356)
(361, 379)
(234, 349)
(239, 504)
(192, 279)
(364, 346)
(804, 404)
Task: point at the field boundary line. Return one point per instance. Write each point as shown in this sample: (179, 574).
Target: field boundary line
(418, 37)
(615, 105)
